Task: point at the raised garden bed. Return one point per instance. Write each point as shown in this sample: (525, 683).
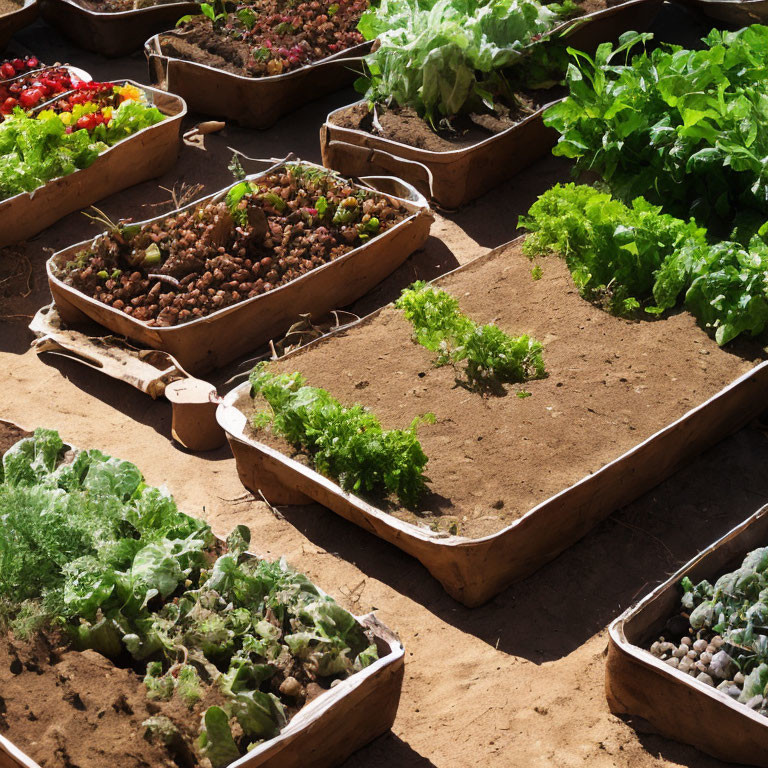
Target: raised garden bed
(14, 16)
(112, 32)
(454, 170)
(275, 291)
(671, 702)
(515, 480)
(146, 154)
(56, 704)
(218, 75)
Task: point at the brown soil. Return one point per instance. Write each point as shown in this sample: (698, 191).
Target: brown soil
(591, 6)
(402, 124)
(612, 383)
(204, 46)
(10, 434)
(9, 6)
(77, 709)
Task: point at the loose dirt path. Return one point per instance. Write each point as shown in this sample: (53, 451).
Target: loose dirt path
(518, 682)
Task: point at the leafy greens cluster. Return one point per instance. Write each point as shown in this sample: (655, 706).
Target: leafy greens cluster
(630, 257)
(448, 57)
(488, 353)
(736, 607)
(36, 149)
(345, 443)
(686, 129)
(88, 547)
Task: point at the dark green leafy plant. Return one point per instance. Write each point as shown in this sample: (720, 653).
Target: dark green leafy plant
(686, 129)
(487, 352)
(612, 250)
(626, 257)
(726, 286)
(87, 547)
(345, 443)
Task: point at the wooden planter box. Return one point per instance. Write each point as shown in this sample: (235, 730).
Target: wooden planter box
(216, 339)
(454, 177)
(11, 23)
(473, 570)
(147, 154)
(675, 704)
(255, 102)
(112, 33)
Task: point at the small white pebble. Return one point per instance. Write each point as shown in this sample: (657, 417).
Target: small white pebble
(680, 652)
(700, 646)
(705, 678)
(673, 662)
(692, 655)
(686, 641)
(711, 650)
(663, 656)
(701, 667)
(655, 648)
(706, 657)
(718, 641)
(685, 664)
(755, 701)
(738, 678)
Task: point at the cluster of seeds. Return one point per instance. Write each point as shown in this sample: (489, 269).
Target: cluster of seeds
(709, 662)
(219, 253)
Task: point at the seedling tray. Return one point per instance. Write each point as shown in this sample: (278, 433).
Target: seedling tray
(454, 177)
(673, 703)
(255, 102)
(216, 339)
(147, 154)
(11, 23)
(472, 570)
(112, 33)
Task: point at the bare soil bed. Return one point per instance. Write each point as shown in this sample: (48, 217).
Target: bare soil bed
(611, 384)
(69, 708)
(403, 124)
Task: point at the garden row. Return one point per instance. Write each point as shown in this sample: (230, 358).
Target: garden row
(526, 357)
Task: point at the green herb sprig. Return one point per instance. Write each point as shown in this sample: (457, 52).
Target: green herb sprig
(488, 353)
(345, 443)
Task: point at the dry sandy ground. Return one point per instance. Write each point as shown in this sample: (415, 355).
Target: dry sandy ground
(518, 682)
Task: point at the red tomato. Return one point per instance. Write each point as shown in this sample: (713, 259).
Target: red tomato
(87, 122)
(30, 97)
(7, 71)
(8, 106)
